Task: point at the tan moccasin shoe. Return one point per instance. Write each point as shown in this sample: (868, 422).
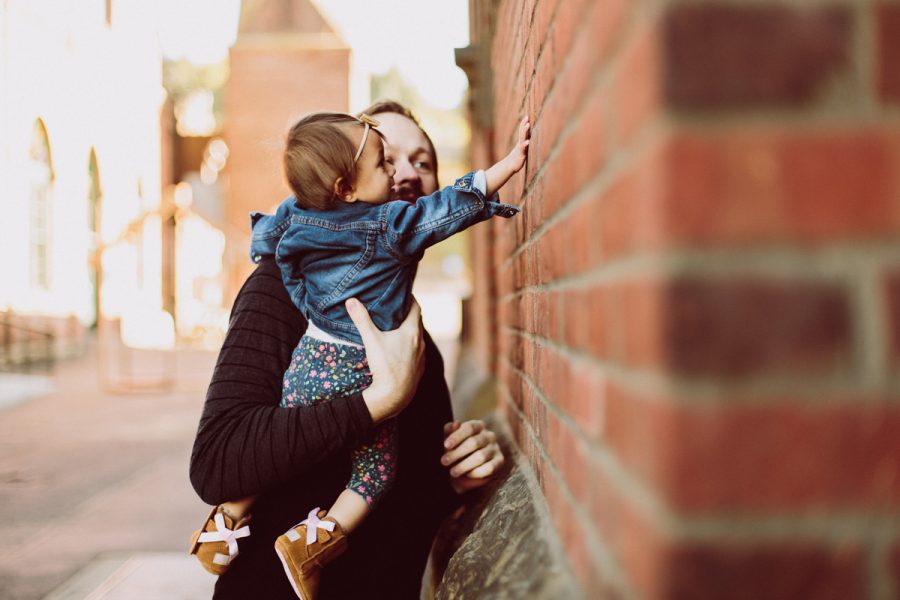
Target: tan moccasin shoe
(306, 548)
(216, 544)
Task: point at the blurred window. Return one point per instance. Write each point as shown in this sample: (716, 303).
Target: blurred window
(40, 178)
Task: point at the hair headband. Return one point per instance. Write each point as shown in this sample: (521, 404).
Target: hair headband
(368, 122)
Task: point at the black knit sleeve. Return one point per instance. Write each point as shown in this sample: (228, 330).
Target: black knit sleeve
(246, 443)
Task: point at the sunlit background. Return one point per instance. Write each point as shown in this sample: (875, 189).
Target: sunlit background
(137, 136)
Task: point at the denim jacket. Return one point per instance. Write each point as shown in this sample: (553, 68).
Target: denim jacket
(364, 251)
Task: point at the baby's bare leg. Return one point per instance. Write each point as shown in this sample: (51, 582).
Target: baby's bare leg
(238, 509)
(349, 510)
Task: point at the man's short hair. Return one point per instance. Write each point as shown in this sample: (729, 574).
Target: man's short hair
(392, 106)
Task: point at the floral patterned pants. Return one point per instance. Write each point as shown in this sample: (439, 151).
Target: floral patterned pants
(321, 371)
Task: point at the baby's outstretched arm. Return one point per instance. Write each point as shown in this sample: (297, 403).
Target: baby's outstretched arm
(500, 173)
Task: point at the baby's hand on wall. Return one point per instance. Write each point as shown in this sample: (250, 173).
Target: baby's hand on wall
(519, 153)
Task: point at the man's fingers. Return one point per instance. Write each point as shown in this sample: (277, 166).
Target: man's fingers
(467, 429)
(467, 447)
(485, 470)
(450, 427)
(474, 460)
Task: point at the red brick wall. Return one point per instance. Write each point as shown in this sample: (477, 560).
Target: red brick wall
(698, 310)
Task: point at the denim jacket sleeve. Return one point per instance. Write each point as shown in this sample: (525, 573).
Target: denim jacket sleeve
(411, 228)
(268, 232)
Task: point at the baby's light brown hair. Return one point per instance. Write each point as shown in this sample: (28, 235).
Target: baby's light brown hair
(318, 151)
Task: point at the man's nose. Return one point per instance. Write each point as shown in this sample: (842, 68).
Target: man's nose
(404, 171)
(391, 170)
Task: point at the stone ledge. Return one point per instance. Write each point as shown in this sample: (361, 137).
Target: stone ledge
(500, 544)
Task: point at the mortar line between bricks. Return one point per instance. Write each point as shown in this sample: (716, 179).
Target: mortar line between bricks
(871, 346)
(879, 578)
(797, 262)
(711, 393)
(834, 527)
(600, 554)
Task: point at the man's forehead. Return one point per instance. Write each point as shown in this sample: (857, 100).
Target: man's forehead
(402, 133)
(411, 150)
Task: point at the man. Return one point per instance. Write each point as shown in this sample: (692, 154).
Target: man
(412, 153)
(299, 457)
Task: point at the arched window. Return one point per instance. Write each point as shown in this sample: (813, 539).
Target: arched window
(40, 179)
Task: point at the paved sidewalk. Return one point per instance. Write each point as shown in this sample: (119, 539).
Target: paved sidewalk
(94, 486)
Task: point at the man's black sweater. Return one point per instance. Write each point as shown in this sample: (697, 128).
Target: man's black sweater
(298, 458)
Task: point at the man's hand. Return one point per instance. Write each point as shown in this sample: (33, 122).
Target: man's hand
(472, 453)
(396, 359)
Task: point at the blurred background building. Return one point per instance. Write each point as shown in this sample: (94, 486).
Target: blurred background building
(81, 160)
(133, 166)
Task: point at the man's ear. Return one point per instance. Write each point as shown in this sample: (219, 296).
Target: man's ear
(343, 190)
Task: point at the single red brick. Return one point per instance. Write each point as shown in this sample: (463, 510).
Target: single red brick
(734, 56)
(776, 572)
(755, 185)
(577, 314)
(555, 316)
(601, 321)
(888, 51)
(839, 183)
(638, 84)
(760, 459)
(644, 322)
(628, 215)
(580, 239)
(550, 256)
(586, 402)
(569, 453)
(543, 367)
(739, 328)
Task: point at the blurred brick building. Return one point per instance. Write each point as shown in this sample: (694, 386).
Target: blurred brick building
(695, 321)
(287, 61)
